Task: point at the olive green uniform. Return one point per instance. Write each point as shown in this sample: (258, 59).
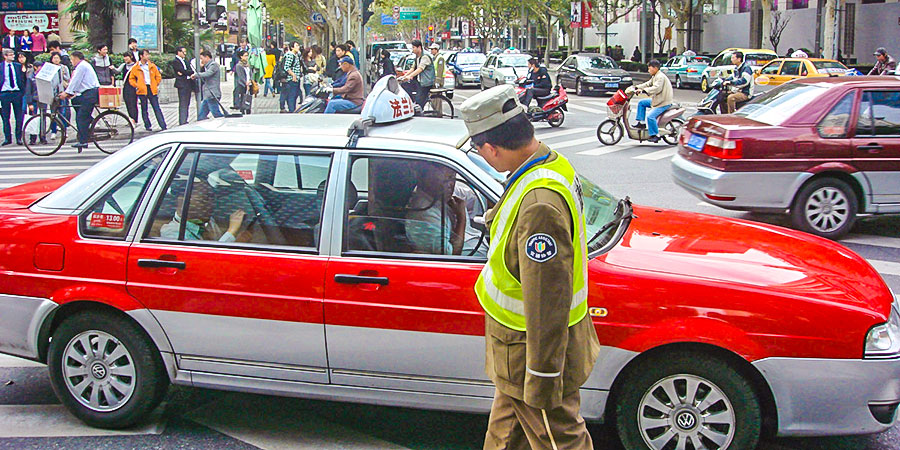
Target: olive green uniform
(538, 372)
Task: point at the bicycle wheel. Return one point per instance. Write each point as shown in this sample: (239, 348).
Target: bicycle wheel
(439, 107)
(110, 129)
(43, 134)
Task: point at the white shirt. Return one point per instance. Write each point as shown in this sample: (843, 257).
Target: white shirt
(83, 78)
(7, 83)
(146, 69)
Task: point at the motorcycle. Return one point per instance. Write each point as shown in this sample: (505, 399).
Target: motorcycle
(551, 108)
(317, 98)
(611, 130)
(708, 105)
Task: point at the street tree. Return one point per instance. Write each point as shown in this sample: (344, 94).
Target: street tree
(95, 17)
(608, 12)
(780, 21)
(679, 12)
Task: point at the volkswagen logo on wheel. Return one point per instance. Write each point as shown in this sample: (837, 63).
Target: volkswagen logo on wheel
(98, 371)
(685, 421)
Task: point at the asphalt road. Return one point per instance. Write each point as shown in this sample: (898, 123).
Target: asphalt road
(31, 417)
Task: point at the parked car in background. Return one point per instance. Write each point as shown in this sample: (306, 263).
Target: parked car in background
(721, 66)
(503, 68)
(685, 71)
(377, 47)
(782, 70)
(824, 150)
(592, 72)
(407, 63)
(465, 66)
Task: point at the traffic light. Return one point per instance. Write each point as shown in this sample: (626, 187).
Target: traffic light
(366, 14)
(430, 28)
(308, 31)
(183, 10)
(212, 11)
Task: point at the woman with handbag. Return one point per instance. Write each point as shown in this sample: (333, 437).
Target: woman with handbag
(242, 96)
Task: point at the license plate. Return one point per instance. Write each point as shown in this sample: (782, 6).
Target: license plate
(696, 142)
(611, 85)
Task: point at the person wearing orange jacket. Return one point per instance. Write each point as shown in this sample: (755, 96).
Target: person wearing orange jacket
(145, 79)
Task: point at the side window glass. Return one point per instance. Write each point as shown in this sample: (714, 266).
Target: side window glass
(404, 206)
(790, 68)
(281, 205)
(864, 123)
(886, 113)
(771, 69)
(836, 123)
(111, 216)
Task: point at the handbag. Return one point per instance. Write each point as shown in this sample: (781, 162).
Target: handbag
(254, 87)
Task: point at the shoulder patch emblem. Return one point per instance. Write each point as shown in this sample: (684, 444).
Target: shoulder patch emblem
(540, 247)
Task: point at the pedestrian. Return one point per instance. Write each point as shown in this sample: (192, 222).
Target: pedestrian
(422, 76)
(145, 78)
(234, 55)
(54, 47)
(243, 79)
(103, 66)
(320, 60)
(59, 85)
(387, 66)
(222, 51)
(439, 65)
(38, 41)
(184, 84)
(533, 287)
(26, 71)
(331, 66)
(636, 55)
(84, 90)
(790, 51)
(210, 91)
(129, 93)
(350, 95)
(25, 44)
(351, 47)
(293, 67)
(309, 66)
(271, 61)
(11, 41)
(12, 92)
(884, 63)
(32, 101)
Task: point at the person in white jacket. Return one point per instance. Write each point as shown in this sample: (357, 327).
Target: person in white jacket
(661, 99)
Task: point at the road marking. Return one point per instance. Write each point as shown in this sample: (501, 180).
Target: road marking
(878, 241)
(600, 104)
(561, 133)
(660, 154)
(586, 109)
(457, 94)
(12, 361)
(605, 150)
(575, 142)
(21, 421)
(44, 168)
(885, 267)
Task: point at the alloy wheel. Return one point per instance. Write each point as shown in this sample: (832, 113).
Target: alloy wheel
(686, 411)
(98, 371)
(827, 209)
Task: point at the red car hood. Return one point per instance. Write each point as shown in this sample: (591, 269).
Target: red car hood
(23, 195)
(749, 255)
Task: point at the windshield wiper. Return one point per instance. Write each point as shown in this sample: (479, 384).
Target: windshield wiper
(624, 207)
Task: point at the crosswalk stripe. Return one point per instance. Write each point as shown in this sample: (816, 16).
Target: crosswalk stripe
(878, 241)
(659, 154)
(12, 361)
(35, 177)
(885, 267)
(575, 142)
(22, 421)
(600, 104)
(43, 167)
(585, 109)
(605, 150)
(556, 134)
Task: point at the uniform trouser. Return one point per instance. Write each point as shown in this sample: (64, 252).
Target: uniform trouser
(514, 425)
(184, 104)
(733, 100)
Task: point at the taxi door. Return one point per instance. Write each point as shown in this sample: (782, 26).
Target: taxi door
(400, 308)
(237, 287)
(790, 70)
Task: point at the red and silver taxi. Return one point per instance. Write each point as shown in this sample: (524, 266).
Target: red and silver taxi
(308, 256)
(826, 150)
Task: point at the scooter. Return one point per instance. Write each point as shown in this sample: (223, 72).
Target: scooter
(551, 108)
(611, 130)
(708, 105)
(317, 98)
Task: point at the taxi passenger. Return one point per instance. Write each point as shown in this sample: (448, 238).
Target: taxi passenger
(541, 344)
(200, 225)
(436, 219)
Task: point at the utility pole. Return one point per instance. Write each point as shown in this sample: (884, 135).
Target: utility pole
(196, 6)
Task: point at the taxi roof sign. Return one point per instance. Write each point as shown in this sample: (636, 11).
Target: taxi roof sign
(388, 102)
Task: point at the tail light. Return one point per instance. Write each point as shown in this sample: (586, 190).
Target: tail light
(724, 148)
(691, 70)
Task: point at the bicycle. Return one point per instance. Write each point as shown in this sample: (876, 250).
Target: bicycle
(51, 129)
(439, 105)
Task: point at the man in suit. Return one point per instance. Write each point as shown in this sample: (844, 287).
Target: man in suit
(11, 41)
(12, 91)
(183, 83)
(210, 90)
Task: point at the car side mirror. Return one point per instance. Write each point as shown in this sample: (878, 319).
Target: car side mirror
(757, 72)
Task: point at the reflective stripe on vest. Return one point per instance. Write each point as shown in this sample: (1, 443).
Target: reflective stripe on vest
(500, 293)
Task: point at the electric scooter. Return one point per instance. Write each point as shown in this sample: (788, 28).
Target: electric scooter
(611, 130)
(551, 108)
(317, 98)
(708, 105)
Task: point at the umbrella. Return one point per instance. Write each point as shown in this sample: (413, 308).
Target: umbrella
(254, 35)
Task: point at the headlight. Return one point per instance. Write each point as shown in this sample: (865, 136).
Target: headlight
(592, 79)
(626, 78)
(883, 341)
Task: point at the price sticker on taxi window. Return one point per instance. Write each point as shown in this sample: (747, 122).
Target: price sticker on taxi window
(247, 175)
(111, 221)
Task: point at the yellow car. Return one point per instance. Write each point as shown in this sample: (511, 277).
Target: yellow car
(782, 70)
(721, 66)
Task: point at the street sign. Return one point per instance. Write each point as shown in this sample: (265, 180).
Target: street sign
(317, 17)
(396, 15)
(410, 13)
(397, 9)
(388, 20)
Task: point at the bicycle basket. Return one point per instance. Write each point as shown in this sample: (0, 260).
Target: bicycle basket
(614, 111)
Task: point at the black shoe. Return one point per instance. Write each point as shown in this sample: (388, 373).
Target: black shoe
(79, 146)
(19, 142)
(653, 139)
(5, 143)
(149, 129)
(44, 141)
(640, 126)
(32, 140)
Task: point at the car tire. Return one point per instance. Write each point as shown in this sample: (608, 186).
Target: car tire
(646, 416)
(704, 85)
(825, 207)
(579, 89)
(481, 83)
(678, 84)
(456, 83)
(113, 393)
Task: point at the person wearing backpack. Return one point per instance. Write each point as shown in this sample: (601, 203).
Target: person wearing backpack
(280, 78)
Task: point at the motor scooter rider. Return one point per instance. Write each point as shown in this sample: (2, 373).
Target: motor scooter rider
(661, 99)
(884, 63)
(536, 83)
(742, 79)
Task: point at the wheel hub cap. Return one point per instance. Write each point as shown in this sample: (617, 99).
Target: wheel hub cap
(98, 371)
(827, 209)
(684, 412)
(685, 421)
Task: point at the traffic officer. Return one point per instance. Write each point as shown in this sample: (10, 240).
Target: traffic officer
(541, 344)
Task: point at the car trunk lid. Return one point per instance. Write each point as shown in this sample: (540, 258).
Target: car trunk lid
(24, 195)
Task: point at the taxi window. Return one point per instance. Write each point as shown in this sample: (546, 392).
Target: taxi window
(110, 217)
(398, 207)
(879, 114)
(791, 68)
(836, 123)
(279, 205)
(771, 69)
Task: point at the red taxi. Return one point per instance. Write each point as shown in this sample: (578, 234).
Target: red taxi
(277, 255)
(824, 150)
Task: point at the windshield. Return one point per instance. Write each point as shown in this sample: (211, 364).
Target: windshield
(600, 208)
(780, 104)
(758, 59)
(823, 66)
(596, 63)
(470, 58)
(514, 61)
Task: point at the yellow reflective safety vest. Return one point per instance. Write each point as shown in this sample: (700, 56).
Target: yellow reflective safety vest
(498, 291)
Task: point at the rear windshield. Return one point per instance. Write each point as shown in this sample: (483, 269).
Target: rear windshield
(758, 59)
(829, 66)
(778, 105)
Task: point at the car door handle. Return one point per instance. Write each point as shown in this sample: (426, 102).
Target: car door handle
(359, 279)
(871, 148)
(161, 263)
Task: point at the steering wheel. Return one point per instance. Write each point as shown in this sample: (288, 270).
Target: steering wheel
(480, 242)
